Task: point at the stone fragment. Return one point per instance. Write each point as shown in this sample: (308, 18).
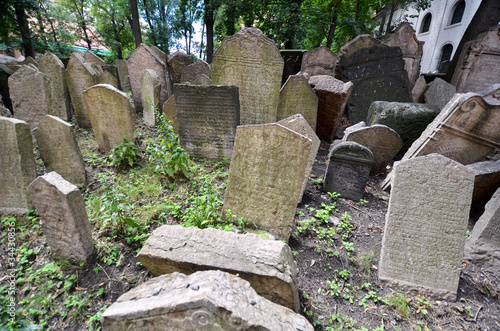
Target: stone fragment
(90, 57)
(150, 93)
(177, 61)
(252, 62)
(418, 90)
(359, 42)
(29, 61)
(108, 78)
(439, 93)
(332, 98)
(194, 71)
(424, 233)
(171, 113)
(59, 149)
(348, 169)
(112, 115)
(297, 97)
(17, 166)
(486, 180)
(121, 66)
(292, 59)
(205, 300)
(265, 177)
(63, 218)
(319, 61)
(268, 265)
(53, 67)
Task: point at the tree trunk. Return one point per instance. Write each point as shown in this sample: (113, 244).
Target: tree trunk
(153, 34)
(357, 11)
(209, 23)
(29, 49)
(201, 42)
(393, 8)
(331, 32)
(134, 24)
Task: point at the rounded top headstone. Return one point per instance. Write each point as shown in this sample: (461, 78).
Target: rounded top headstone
(350, 151)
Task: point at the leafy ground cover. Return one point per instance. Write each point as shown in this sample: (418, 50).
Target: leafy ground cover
(152, 181)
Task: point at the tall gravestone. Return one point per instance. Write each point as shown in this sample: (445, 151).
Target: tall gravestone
(53, 67)
(208, 117)
(265, 178)
(319, 61)
(252, 62)
(59, 149)
(17, 166)
(170, 113)
(121, 67)
(426, 226)
(192, 72)
(63, 218)
(297, 97)
(150, 93)
(112, 115)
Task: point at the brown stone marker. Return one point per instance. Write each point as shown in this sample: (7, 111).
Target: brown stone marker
(319, 61)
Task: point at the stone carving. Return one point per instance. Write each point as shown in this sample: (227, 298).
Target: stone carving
(194, 71)
(90, 57)
(492, 92)
(319, 61)
(121, 66)
(266, 175)
(268, 265)
(292, 59)
(208, 117)
(359, 42)
(150, 93)
(171, 113)
(53, 67)
(439, 93)
(419, 206)
(297, 97)
(252, 62)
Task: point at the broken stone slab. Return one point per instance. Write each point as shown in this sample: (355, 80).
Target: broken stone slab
(424, 233)
(439, 93)
(170, 113)
(319, 61)
(267, 264)
(205, 300)
(297, 97)
(150, 94)
(63, 218)
(53, 67)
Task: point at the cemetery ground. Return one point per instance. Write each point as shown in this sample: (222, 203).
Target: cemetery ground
(336, 243)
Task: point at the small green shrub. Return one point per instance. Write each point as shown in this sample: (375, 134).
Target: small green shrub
(125, 154)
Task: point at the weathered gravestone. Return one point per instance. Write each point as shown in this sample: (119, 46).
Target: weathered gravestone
(439, 93)
(381, 140)
(194, 71)
(319, 61)
(252, 62)
(202, 80)
(121, 66)
(208, 117)
(30, 61)
(332, 98)
(486, 181)
(150, 93)
(205, 300)
(63, 217)
(378, 74)
(266, 175)
(426, 226)
(292, 59)
(479, 64)
(171, 113)
(17, 166)
(268, 265)
(112, 115)
(30, 94)
(297, 97)
(357, 43)
(90, 57)
(177, 61)
(59, 149)
(53, 67)
(483, 244)
(491, 92)
(161, 54)
(418, 90)
(79, 77)
(108, 78)
(348, 169)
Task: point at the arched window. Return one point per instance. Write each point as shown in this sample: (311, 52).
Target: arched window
(458, 13)
(445, 55)
(426, 23)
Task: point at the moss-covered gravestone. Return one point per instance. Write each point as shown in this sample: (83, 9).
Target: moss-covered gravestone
(297, 97)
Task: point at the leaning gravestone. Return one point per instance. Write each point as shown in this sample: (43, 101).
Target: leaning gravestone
(121, 66)
(439, 93)
(268, 265)
(30, 94)
(297, 97)
(177, 61)
(53, 67)
(170, 113)
(150, 93)
(266, 174)
(319, 61)
(90, 57)
(108, 78)
(63, 217)
(17, 166)
(205, 300)
(192, 72)
(112, 115)
(252, 62)
(59, 149)
(426, 226)
(348, 169)
(208, 117)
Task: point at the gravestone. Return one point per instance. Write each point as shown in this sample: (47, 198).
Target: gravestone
(266, 174)
(63, 218)
(439, 93)
(30, 61)
(30, 94)
(297, 97)
(205, 300)
(53, 67)
(378, 74)
(299, 124)
(161, 54)
(108, 78)
(194, 71)
(59, 149)
(357, 43)
(319, 61)
(252, 62)
(292, 59)
(426, 224)
(479, 63)
(381, 140)
(348, 169)
(208, 117)
(121, 66)
(483, 244)
(268, 265)
(332, 98)
(79, 77)
(492, 92)
(90, 57)
(112, 115)
(142, 59)
(177, 61)
(17, 166)
(171, 113)
(150, 92)
(202, 80)
(486, 181)
(418, 90)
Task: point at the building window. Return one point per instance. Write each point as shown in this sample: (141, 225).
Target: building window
(445, 55)
(426, 23)
(458, 13)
